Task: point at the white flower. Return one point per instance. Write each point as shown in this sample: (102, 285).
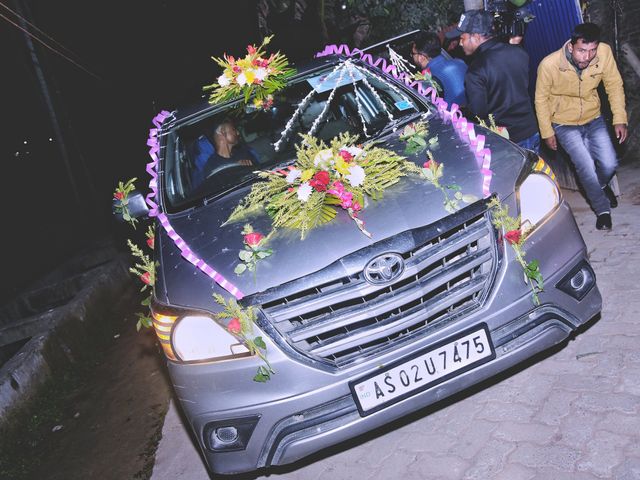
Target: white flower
(304, 192)
(356, 175)
(323, 157)
(241, 79)
(224, 81)
(293, 174)
(355, 151)
(261, 73)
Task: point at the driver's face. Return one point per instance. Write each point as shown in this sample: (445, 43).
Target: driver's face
(230, 134)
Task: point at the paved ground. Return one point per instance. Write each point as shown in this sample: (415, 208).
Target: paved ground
(573, 415)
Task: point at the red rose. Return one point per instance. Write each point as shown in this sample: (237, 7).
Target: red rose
(346, 156)
(234, 326)
(150, 241)
(251, 49)
(253, 239)
(146, 278)
(513, 236)
(320, 181)
(430, 164)
(118, 195)
(237, 69)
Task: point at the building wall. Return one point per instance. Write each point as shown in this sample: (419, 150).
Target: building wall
(601, 12)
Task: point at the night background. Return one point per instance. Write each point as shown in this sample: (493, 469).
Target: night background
(132, 59)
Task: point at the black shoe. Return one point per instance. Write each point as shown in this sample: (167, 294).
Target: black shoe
(610, 195)
(603, 222)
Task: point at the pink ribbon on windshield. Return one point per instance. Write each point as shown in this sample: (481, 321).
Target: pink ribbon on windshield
(154, 210)
(453, 114)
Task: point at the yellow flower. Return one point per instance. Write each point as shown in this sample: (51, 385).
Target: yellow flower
(250, 75)
(341, 166)
(307, 174)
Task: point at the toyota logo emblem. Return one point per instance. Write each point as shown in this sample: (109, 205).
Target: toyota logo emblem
(384, 268)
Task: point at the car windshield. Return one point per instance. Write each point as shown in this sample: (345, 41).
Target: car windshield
(211, 155)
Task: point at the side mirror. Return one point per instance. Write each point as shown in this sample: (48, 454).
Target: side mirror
(135, 207)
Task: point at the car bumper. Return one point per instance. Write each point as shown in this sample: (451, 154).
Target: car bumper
(303, 409)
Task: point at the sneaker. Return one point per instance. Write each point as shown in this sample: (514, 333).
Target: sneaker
(610, 195)
(603, 222)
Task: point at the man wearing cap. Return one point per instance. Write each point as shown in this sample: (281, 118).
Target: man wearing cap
(568, 109)
(497, 81)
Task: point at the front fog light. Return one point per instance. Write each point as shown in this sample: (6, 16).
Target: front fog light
(229, 435)
(579, 281)
(197, 337)
(539, 196)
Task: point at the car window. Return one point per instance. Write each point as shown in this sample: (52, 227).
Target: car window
(329, 103)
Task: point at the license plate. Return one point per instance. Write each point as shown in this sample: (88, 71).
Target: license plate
(423, 370)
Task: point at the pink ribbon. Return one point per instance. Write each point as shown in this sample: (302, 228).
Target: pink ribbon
(154, 211)
(464, 127)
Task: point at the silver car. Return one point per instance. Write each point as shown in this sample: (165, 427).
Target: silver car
(359, 331)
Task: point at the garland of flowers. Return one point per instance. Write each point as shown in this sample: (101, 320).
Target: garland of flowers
(324, 178)
(241, 321)
(345, 67)
(255, 73)
(515, 236)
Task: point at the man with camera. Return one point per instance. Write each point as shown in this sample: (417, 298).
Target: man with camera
(497, 81)
(568, 109)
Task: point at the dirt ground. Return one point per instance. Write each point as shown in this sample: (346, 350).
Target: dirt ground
(112, 415)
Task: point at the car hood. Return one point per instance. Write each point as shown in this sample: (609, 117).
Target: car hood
(411, 203)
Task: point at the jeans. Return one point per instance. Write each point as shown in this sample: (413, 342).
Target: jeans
(591, 151)
(532, 143)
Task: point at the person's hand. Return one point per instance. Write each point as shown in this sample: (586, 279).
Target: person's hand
(551, 142)
(621, 132)
(246, 162)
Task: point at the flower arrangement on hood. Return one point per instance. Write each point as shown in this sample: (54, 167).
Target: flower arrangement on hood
(324, 179)
(254, 73)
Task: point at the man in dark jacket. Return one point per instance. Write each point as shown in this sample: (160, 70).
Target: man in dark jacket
(497, 81)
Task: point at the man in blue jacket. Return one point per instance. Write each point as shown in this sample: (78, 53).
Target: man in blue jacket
(448, 72)
(497, 81)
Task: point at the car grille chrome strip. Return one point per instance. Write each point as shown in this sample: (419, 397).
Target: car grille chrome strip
(449, 268)
(402, 296)
(421, 259)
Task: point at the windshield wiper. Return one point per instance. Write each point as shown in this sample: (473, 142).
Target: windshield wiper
(392, 125)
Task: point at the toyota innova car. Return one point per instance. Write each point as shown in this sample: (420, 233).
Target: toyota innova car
(359, 331)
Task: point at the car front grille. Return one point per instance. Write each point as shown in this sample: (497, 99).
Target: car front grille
(449, 269)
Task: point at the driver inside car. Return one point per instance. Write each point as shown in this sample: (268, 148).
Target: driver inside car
(227, 152)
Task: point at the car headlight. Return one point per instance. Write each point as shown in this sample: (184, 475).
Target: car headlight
(191, 336)
(538, 195)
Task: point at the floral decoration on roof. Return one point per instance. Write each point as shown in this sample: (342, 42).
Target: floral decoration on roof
(256, 73)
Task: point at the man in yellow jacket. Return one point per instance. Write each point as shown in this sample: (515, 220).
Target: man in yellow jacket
(568, 111)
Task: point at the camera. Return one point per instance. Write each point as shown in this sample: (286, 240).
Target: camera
(510, 20)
